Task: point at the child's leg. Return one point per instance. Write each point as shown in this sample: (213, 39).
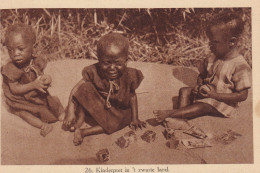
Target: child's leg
(185, 97)
(70, 112)
(80, 115)
(92, 131)
(79, 134)
(190, 111)
(184, 100)
(36, 122)
(70, 115)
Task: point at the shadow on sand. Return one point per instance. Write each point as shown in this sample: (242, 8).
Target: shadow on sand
(186, 75)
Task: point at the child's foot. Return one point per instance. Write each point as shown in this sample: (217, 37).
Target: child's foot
(46, 129)
(77, 137)
(162, 114)
(68, 121)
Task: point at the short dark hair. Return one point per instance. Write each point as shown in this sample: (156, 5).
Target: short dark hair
(26, 30)
(112, 39)
(232, 23)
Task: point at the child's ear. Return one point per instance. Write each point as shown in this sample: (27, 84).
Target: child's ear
(232, 41)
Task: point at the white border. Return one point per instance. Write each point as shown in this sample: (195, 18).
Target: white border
(255, 4)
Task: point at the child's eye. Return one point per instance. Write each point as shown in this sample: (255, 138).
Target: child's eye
(119, 62)
(10, 50)
(106, 62)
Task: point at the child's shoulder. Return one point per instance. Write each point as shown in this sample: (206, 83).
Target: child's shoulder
(240, 62)
(132, 70)
(10, 71)
(40, 62)
(90, 68)
(9, 68)
(89, 72)
(134, 74)
(240, 59)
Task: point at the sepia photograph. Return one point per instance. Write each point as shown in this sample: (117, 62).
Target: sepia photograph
(126, 86)
(105, 87)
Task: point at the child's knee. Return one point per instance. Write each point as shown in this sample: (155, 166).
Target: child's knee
(185, 91)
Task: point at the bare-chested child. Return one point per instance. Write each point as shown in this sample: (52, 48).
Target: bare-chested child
(24, 84)
(105, 97)
(223, 81)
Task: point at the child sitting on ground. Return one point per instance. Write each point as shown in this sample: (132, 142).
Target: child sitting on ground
(24, 84)
(224, 80)
(106, 96)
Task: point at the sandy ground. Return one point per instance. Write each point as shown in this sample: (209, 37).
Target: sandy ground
(22, 144)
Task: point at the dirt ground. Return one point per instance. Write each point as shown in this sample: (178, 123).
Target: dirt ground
(22, 144)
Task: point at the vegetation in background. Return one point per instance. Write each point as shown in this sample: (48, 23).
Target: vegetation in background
(171, 36)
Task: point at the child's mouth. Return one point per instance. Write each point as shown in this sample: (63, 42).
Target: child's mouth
(19, 60)
(113, 75)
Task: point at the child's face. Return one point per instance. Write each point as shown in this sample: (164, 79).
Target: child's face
(220, 43)
(20, 50)
(113, 63)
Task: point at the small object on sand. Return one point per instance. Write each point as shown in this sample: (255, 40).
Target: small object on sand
(169, 133)
(196, 132)
(126, 140)
(122, 142)
(202, 161)
(131, 135)
(195, 143)
(227, 137)
(103, 155)
(173, 144)
(149, 136)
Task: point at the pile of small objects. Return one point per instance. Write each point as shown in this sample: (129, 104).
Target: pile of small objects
(200, 139)
(125, 141)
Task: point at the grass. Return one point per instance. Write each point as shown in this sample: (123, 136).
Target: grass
(75, 35)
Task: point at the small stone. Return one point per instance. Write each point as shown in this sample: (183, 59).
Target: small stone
(169, 134)
(173, 144)
(103, 155)
(149, 136)
(126, 140)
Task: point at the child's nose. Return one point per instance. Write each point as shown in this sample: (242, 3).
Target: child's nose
(17, 52)
(113, 66)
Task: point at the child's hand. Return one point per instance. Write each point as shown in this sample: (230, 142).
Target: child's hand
(195, 90)
(46, 79)
(207, 91)
(39, 85)
(134, 125)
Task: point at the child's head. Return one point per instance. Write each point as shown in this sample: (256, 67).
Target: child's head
(19, 39)
(224, 32)
(112, 50)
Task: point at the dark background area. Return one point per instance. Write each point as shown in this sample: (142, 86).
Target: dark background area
(171, 35)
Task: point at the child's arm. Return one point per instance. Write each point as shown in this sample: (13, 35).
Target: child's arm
(202, 75)
(135, 121)
(237, 96)
(199, 83)
(32, 97)
(75, 88)
(17, 88)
